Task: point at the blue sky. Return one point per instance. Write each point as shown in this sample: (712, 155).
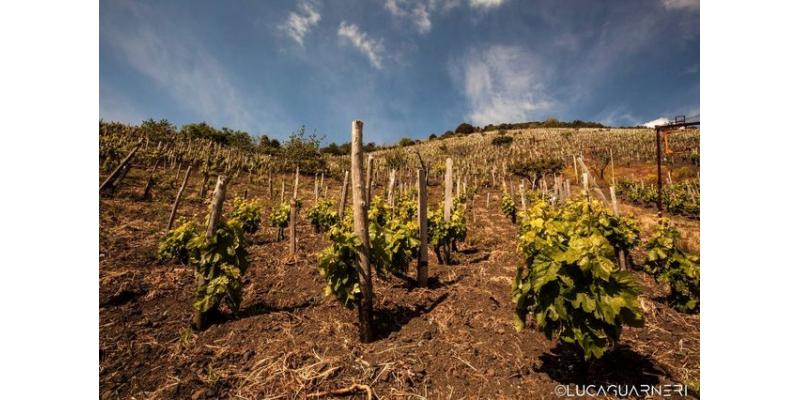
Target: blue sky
(407, 68)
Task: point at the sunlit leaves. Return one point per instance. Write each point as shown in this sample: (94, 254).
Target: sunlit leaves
(570, 283)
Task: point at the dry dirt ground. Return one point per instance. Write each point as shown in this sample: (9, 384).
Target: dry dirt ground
(453, 340)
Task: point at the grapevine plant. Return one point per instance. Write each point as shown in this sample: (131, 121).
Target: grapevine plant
(677, 198)
(322, 216)
(219, 261)
(670, 264)
(248, 213)
(279, 218)
(444, 235)
(394, 242)
(508, 207)
(570, 283)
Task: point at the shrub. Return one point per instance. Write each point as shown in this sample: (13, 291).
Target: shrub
(502, 140)
(248, 213)
(174, 245)
(404, 142)
(443, 235)
(465, 128)
(532, 170)
(570, 283)
(322, 215)
(337, 264)
(668, 263)
(279, 218)
(508, 207)
(220, 260)
(395, 159)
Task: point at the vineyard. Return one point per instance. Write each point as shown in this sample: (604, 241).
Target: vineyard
(496, 264)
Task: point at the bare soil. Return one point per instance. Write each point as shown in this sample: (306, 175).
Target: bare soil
(453, 340)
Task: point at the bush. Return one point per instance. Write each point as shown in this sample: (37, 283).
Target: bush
(301, 150)
(323, 215)
(570, 283)
(220, 260)
(502, 140)
(465, 128)
(432, 136)
(668, 263)
(533, 170)
(508, 207)
(279, 218)
(443, 235)
(174, 245)
(248, 213)
(404, 142)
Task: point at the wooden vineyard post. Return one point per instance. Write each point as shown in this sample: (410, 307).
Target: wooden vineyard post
(369, 180)
(615, 208)
(487, 201)
(293, 227)
(151, 181)
(118, 180)
(343, 198)
(206, 169)
(613, 178)
(213, 221)
(296, 182)
(114, 174)
(585, 183)
(522, 198)
(269, 184)
(575, 165)
(360, 229)
(448, 189)
(422, 215)
(322, 186)
(283, 189)
(316, 189)
(390, 190)
(178, 198)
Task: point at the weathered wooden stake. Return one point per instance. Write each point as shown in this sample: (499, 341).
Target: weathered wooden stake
(390, 190)
(316, 189)
(178, 198)
(615, 207)
(213, 221)
(448, 189)
(343, 197)
(369, 180)
(269, 185)
(120, 167)
(360, 225)
(296, 182)
(293, 227)
(151, 181)
(575, 165)
(422, 214)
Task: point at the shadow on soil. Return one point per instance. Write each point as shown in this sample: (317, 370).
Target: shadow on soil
(388, 321)
(622, 366)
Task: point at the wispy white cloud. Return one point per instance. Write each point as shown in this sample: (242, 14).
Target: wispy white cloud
(502, 84)
(370, 47)
(681, 4)
(416, 11)
(175, 61)
(485, 3)
(300, 22)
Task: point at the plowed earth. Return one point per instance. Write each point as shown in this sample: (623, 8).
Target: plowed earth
(452, 340)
